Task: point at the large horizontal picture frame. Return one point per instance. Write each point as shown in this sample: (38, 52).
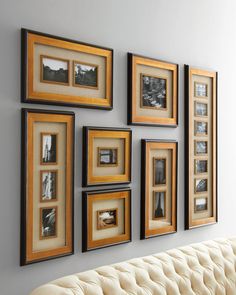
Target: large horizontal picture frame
(165, 220)
(60, 71)
(107, 235)
(120, 140)
(201, 181)
(157, 106)
(47, 226)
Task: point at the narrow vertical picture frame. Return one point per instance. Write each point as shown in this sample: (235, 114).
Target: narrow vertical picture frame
(107, 156)
(200, 147)
(152, 92)
(65, 72)
(106, 218)
(158, 202)
(47, 187)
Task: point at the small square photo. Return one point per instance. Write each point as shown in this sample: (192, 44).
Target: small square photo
(201, 109)
(107, 218)
(200, 166)
(200, 89)
(107, 157)
(200, 204)
(153, 92)
(200, 147)
(200, 185)
(201, 128)
(85, 75)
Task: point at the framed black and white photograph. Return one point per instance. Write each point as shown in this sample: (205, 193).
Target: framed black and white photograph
(159, 205)
(201, 166)
(54, 70)
(159, 171)
(107, 157)
(201, 185)
(48, 185)
(48, 222)
(60, 71)
(200, 128)
(107, 218)
(201, 147)
(200, 89)
(200, 109)
(200, 204)
(85, 75)
(159, 160)
(48, 148)
(153, 92)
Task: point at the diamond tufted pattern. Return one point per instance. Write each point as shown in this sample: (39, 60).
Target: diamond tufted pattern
(207, 268)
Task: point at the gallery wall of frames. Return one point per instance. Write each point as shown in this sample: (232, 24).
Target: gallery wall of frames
(59, 71)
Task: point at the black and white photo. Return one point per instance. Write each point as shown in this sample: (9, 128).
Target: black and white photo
(153, 92)
(107, 157)
(200, 166)
(107, 218)
(49, 185)
(200, 204)
(159, 167)
(201, 109)
(48, 221)
(48, 148)
(200, 185)
(54, 70)
(200, 128)
(200, 147)
(200, 89)
(159, 206)
(85, 75)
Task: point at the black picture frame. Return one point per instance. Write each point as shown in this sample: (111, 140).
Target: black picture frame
(143, 207)
(131, 92)
(24, 165)
(210, 221)
(85, 171)
(85, 216)
(24, 72)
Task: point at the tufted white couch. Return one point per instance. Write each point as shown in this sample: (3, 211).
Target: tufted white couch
(207, 268)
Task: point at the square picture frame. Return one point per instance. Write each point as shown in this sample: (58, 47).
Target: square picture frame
(105, 201)
(47, 191)
(60, 71)
(152, 92)
(158, 203)
(200, 147)
(96, 139)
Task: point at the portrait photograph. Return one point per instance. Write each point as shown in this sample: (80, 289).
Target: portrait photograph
(107, 157)
(85, 75)
(200, 204)
(107, 218)
(200, 166)
(200, 147)
(48, 220)
(201, 109)
(159, 167)
(153, 92)
(48, 185)
(200, 89)
(159, 205)
(201, 128)
(48, 148)
(54, 70)
(200, 185)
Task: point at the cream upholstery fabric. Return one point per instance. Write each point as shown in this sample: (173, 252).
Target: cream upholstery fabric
(207, 268)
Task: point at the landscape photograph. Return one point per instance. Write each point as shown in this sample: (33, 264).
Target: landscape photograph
(54, 70)
(107, 218)
(200, 204)
(107, 156)
(85, 75)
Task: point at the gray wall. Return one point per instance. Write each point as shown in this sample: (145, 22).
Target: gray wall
(196, 32)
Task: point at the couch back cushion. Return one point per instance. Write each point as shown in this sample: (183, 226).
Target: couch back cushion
(207, 268)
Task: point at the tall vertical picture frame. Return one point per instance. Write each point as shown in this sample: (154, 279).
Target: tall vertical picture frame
(47, 185)
(200, 147)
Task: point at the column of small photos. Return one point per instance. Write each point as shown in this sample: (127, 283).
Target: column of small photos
(201, 136)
